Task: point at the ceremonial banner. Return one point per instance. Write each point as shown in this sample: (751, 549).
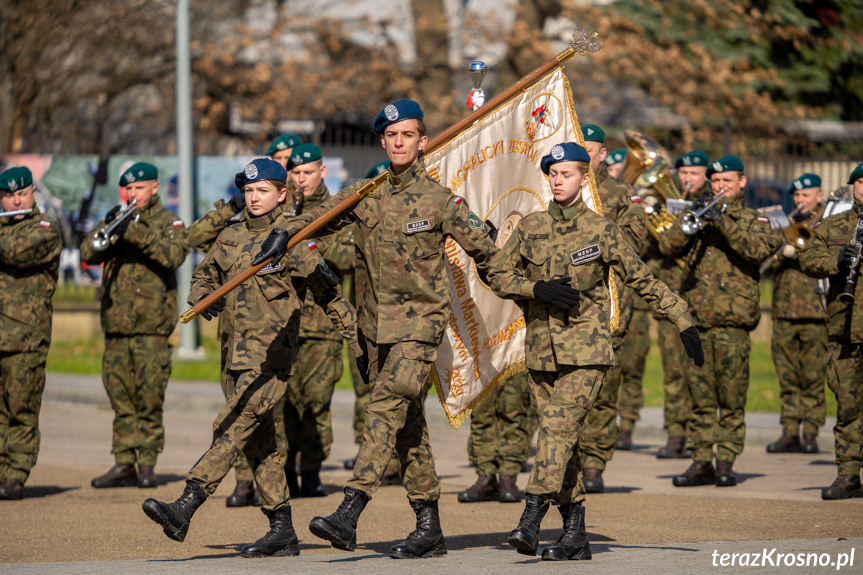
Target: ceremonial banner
(494, 165)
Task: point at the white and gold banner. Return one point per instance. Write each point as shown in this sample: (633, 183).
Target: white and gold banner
(495, 166)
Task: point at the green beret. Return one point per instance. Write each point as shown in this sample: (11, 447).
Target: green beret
(140, 172)
(15, 179)
(695, 158)
(378, 169)
(615, 157)
(805, 181)
(284, 142)
(727, 163)
(856, 174)
(593, 133)
(304, 154)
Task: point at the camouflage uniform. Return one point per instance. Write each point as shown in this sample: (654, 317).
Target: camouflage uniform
(799, 345)
(403, 304)
(633, 352)
(568, 354)
(845, 332)
(721, 286)
(139, 312)
(29, 263)
(258, 353)
(600, 432)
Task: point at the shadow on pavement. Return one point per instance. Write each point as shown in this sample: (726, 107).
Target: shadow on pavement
(45, 491)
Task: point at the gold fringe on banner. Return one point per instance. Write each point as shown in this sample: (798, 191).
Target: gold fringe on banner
(460, 418)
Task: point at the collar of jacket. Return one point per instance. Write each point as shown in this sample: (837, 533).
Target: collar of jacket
(265, 222)
(409, 177)
(318, 197)
(150, 207)
(736, 202)
(600, 174)
(562, 214)
(856, 208)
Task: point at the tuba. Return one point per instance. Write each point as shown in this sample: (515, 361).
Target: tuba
(645, 168)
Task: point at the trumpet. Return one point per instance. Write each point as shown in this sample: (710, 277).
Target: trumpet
(693, 222)
(105, 236)
(15, 213)
(796, 236)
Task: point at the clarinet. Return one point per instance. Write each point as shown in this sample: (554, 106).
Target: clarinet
(847, 296)
(298, 204)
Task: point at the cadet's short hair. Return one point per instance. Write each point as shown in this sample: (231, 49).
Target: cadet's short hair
(421, 127)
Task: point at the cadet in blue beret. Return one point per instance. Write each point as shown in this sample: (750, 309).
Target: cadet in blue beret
(261, 169)
(692, 172)
(614, 162)
(280, 149)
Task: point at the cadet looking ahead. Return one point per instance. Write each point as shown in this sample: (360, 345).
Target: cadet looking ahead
(403, 304)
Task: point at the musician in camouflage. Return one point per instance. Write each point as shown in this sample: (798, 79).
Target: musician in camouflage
(556, 265)
(799, 344)
(721, 286)
(829, 253)
(30, 245)
(139, 312)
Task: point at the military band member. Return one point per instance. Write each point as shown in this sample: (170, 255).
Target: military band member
(555, 266)
(614, 162)
(830, 253)
(139, 312)
(799, 344)
(266, 319)
(721, 286)
(403, 305)
(281, 149)
(30, 245)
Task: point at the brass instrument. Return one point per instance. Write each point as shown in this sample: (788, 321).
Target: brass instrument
(796, 236)
(847, 295)
(105, 237)
(645, 167)
(15, 213)
(693, 222)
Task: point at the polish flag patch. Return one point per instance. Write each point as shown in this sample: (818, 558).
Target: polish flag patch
(45, 223)
(458, 199)
(312, 245)
(177, 223)
(763, 220)
(635, 199)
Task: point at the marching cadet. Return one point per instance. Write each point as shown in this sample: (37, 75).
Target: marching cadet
(800, 346)
(614, 162)
(833, 251)
(555, 266)
(303, 420)
(30, 245)
(139, 312)
(600, 433)
(281, 149)
(266, 317)
(721, 286)
(403, 304)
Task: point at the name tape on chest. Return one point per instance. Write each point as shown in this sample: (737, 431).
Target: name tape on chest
(583, 255)
(417, 226)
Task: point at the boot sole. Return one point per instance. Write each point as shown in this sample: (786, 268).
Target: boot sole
(323, 531)
(846, 495)
(581, 556)
(436, 551)
(290, 551)
(521, 546)
(156, 514)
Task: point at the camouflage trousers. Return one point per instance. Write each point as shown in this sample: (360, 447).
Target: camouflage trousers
(719, 390)
(303, 419)
(845, 378)
(363, 393)
(135, 372)
(395, 420)
(22, 381)
(633, 352)
(501, 427)
(600, 431)
(677, 408)
(242, 471)
(800, 354)
(245, 425)
(562, 400)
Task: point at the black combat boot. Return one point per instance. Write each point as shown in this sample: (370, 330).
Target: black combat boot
(698, 473)
(675, 448)
(810, 443)
(175, 517)
(573, 544)
(280, 541)
(844, 487)
(592, 480)
(121, 475)
(147, 477)
(624, 440)
(509, 492)
(340, 528)
(484, 489)
(427, 539)
(243, 494)
(785, 444)
(724, 476)
(11, 490)
(525, 537)
(312, 486)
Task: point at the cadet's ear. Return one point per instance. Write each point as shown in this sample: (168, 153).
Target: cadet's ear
(383, 143)
(423, 141)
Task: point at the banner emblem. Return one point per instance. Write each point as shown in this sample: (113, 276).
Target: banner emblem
(546, 117)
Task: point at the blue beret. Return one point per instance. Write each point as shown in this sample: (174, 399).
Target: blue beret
(593, 133)
(566, 152)
(15, 179)
(284, 142)
(140, 172)
(378, 169)
(805, 181)
(260, 169)
(304, 154)
(695, 158)
(615, 157)
(396, 112)
(856, 174)
(727, 163)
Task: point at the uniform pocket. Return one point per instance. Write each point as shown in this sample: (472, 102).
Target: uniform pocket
(535, 258)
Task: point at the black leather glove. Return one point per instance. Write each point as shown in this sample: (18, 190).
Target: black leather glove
(692, 344)
(214, 309)
(846, 256)
(121, 228)
(324, 281)
(112, 214)
(237, 202)
(714, 213)
(557, 292)
(274, 247)
(492, 231)
(363, 367)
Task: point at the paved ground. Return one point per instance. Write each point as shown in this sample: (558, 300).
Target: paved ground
(643, 523)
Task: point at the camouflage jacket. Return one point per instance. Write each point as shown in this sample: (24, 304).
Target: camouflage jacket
(139, 281)
(820, 259)
(794, 293)
(574, 242)
(263, 330)
(720, 280)
(403, 292)
(338, 251)
(29, 262)
(203, 232)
